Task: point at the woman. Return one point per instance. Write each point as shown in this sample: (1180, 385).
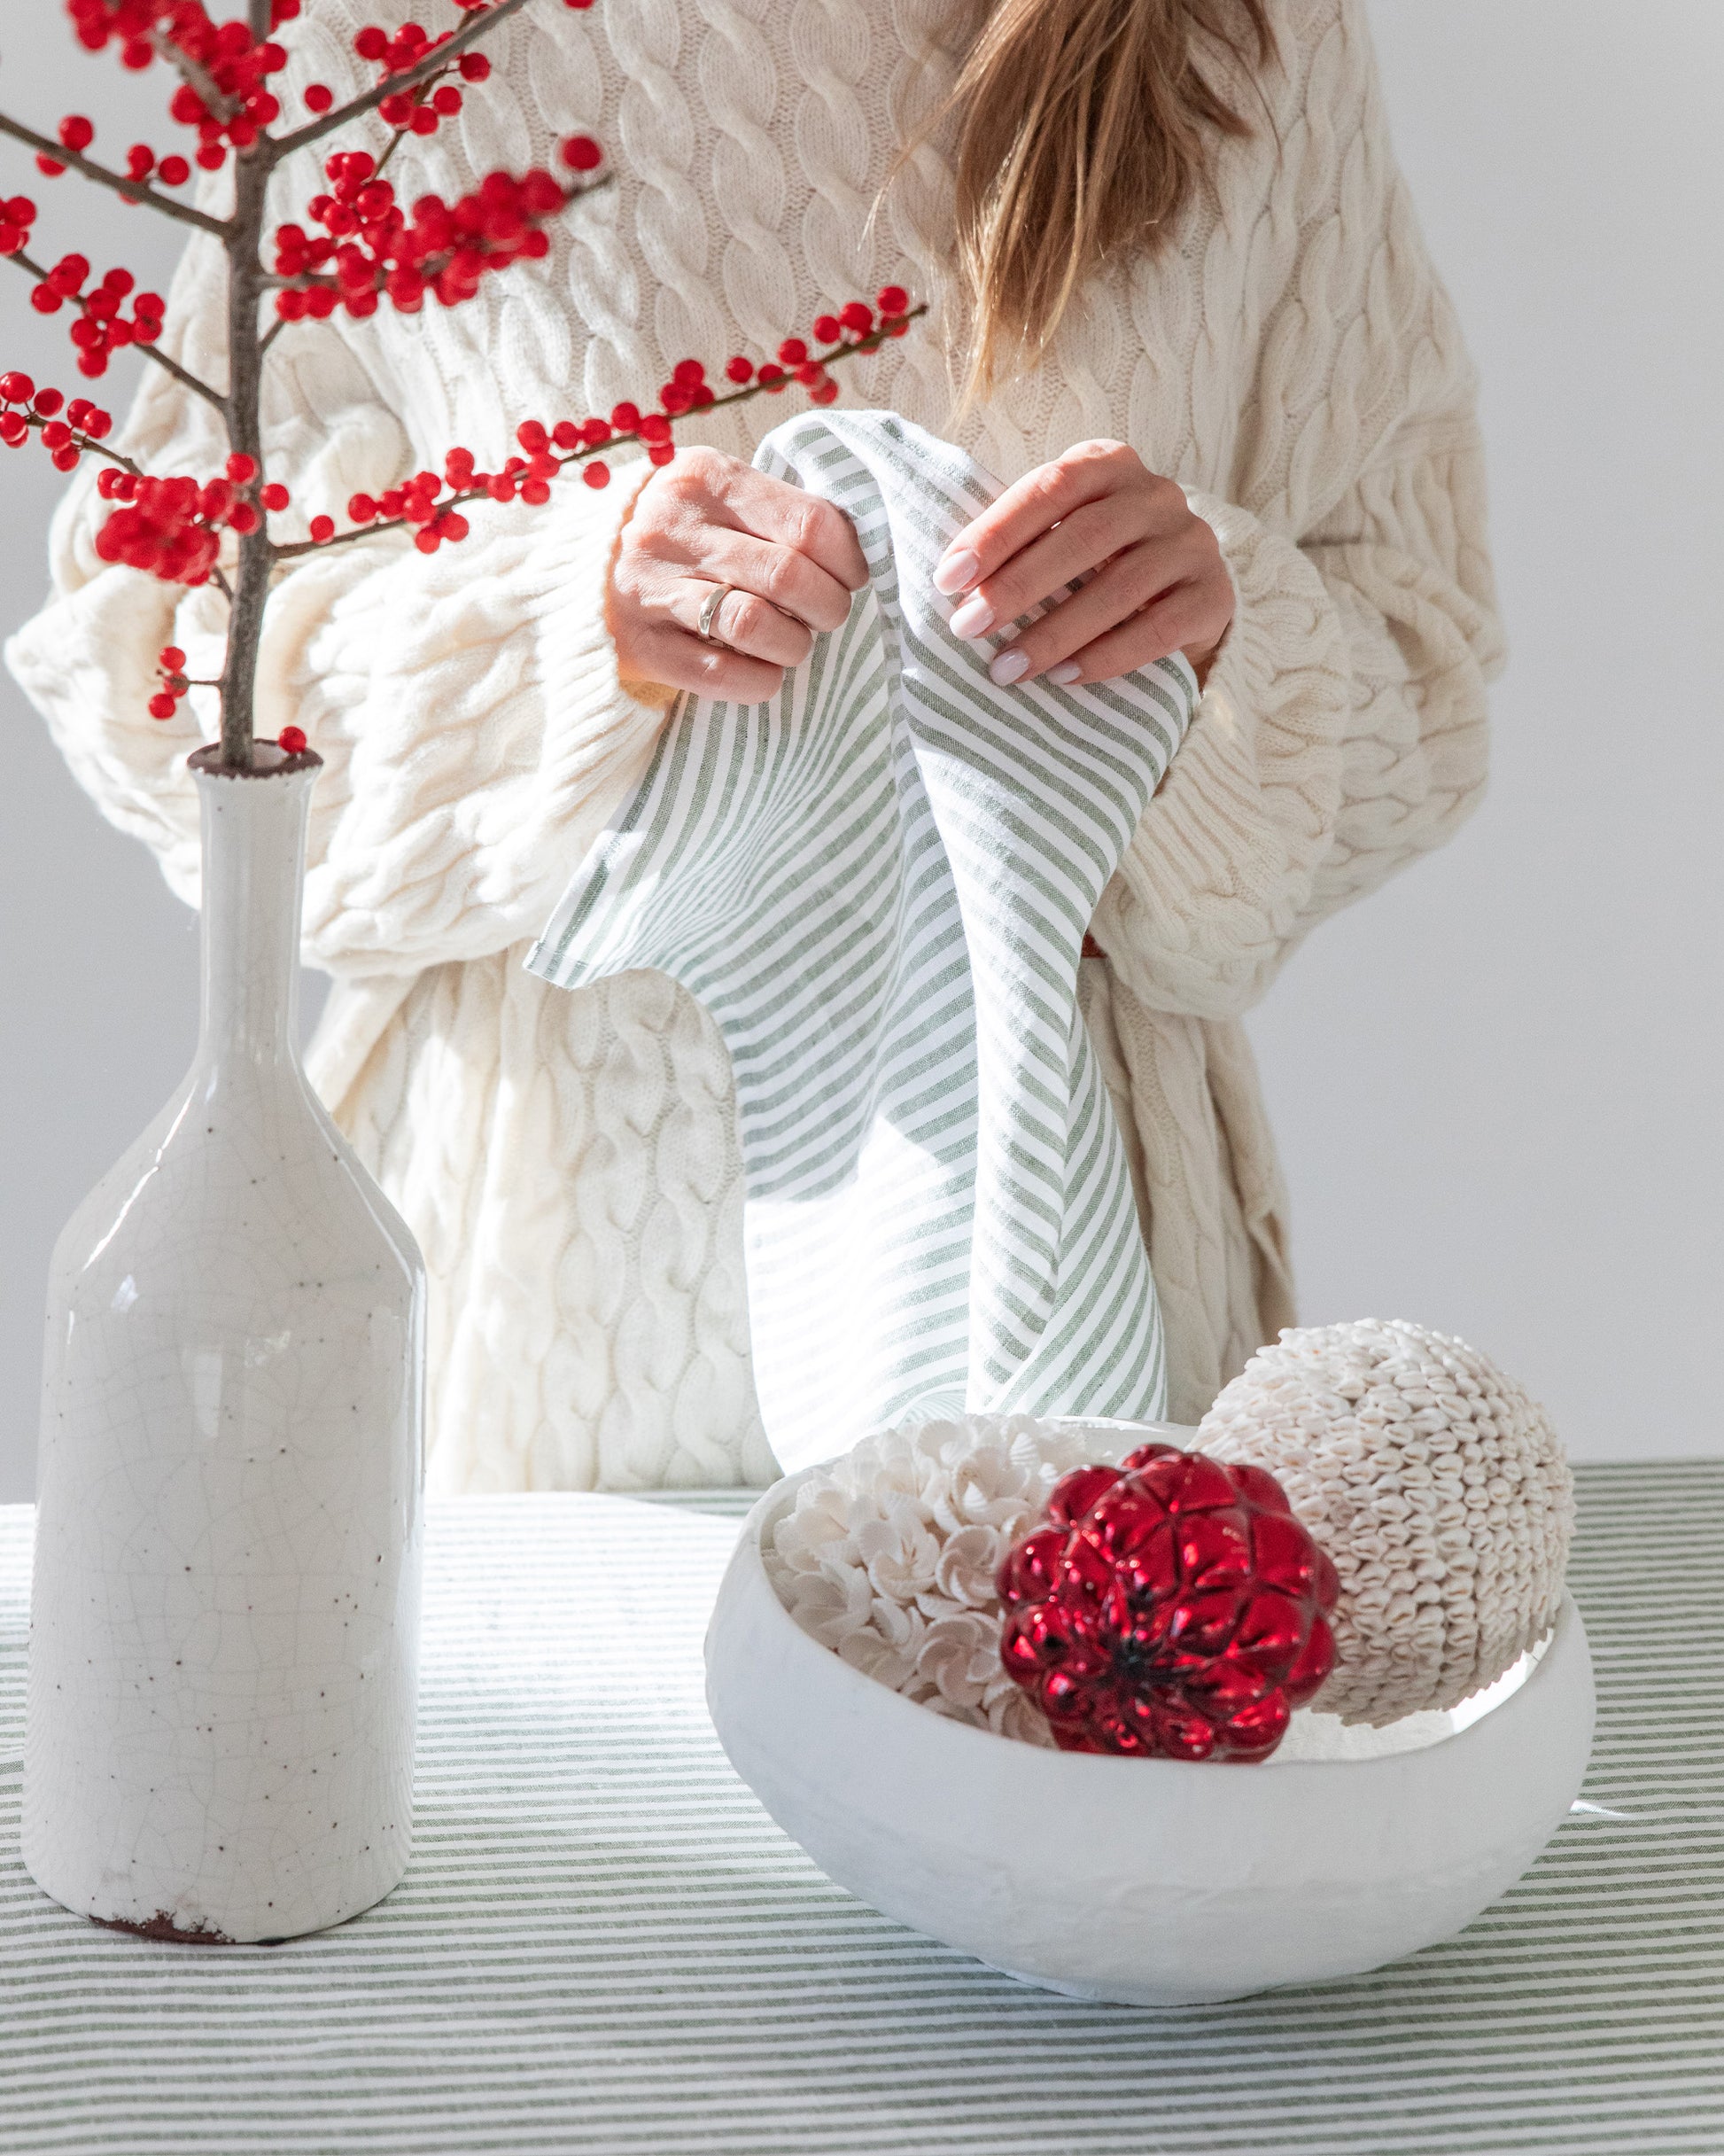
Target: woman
(1201, 336)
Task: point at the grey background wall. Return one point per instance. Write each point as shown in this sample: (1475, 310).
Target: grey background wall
(1495, 1083)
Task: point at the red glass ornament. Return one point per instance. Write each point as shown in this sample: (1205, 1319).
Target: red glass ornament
(1172, 1608)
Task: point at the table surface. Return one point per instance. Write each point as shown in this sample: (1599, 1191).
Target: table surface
(605, 1944)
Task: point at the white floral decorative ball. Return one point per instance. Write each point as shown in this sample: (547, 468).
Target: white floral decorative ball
(1438, 1488)
(888, 1555)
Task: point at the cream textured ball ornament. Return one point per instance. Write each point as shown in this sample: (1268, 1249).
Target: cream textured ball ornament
(889, 1556)
(1436, 1485)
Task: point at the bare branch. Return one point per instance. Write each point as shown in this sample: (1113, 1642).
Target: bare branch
(182, 375)
(395, 144)
(134, 191)
(275, 147)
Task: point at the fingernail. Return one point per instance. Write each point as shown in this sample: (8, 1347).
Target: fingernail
(974, 617)
(956, 572)
(1065, 672)
(1009, 666)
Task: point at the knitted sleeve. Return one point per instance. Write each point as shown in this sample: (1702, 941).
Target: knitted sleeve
(1342, 730)
(466, 704)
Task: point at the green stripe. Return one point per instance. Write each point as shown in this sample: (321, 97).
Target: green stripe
(935, 1181)
(604, 1944)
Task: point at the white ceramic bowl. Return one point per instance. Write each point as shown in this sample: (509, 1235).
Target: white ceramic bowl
(1153, 1882)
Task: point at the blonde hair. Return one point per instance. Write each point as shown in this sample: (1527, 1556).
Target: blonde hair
(1082, 128)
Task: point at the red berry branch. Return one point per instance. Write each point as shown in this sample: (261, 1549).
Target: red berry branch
(355, 247)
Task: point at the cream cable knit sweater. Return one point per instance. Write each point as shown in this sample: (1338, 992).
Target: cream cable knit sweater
(569, 1162)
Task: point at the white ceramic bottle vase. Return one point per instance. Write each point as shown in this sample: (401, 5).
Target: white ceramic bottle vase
(224, 1651)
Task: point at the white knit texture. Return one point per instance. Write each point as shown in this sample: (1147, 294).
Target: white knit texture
(1438, 1488)
(570, 1162)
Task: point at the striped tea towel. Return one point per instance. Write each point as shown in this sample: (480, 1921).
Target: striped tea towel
(879, 886)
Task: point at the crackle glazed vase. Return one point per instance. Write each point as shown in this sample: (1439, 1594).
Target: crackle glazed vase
(224, 1630)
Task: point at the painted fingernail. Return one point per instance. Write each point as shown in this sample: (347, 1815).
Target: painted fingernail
(1064, 674)
(956, 572)
(974, 617)
(1009, 666)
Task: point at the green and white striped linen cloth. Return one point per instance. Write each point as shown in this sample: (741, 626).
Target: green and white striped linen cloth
(879, 886)
(604, 1947)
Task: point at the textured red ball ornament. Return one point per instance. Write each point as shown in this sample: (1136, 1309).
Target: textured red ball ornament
(1174, 1609)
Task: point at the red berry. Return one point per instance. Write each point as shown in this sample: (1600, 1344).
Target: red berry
(447, 99)
(793, 351)
(275, 497)
(242, 469)
(173, 172)
(292, 739)
(323, 528)
(739, 370)
(371, 43)
(50, 167)
(319, 97)
(581, 154)
(48, 402)
(76, 132)
(827, 329)
(857, 317)
(893, 300)
(16, 388)
(1173, 1609)
(596, 473)
(474, 67)
(162, 706)
(171, 660)
(661, 453)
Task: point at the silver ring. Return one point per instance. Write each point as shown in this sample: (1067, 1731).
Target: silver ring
(710, 607)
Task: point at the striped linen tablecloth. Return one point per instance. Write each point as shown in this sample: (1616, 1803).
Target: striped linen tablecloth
(605, 1944)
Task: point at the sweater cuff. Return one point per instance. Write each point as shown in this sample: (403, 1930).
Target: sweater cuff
(1197, 918)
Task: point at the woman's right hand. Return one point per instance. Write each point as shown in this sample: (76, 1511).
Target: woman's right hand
(706, 520)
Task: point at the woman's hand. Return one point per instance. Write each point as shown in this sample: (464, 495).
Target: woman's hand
(1157, 583)
(706, 520)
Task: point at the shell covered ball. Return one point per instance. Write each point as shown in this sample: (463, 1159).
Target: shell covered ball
(1436, 1485)
(889, 1556)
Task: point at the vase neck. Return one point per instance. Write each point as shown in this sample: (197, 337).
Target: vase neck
(254, 874)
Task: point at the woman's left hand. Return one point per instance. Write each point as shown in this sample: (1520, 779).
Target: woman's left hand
(1157, 583)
